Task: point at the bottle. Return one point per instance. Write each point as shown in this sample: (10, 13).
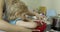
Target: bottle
(56, 23)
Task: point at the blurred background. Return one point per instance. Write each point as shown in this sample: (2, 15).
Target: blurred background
(50, 8)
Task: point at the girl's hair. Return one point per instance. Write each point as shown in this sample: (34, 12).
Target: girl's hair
(15, 10)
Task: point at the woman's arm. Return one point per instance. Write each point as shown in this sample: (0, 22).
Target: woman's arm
(8, 27)
(12, 28)
(1, 8)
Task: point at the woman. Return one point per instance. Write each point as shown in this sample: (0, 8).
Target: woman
(8, 27)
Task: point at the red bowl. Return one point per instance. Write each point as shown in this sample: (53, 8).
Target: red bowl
(40, 28)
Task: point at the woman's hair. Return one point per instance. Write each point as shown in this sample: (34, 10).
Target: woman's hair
(15, 9)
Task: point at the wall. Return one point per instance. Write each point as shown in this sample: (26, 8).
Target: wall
(57, 6)
(51, 5)
(47, 3)
(32, 3)
(36, 3)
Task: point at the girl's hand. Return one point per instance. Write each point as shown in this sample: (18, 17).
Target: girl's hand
(40, 18)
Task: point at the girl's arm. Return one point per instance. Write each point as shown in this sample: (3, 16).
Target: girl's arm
(31, 13)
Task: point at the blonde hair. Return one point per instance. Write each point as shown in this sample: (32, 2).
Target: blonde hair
(16, 9)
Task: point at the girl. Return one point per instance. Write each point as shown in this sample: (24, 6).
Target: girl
(11, 6)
